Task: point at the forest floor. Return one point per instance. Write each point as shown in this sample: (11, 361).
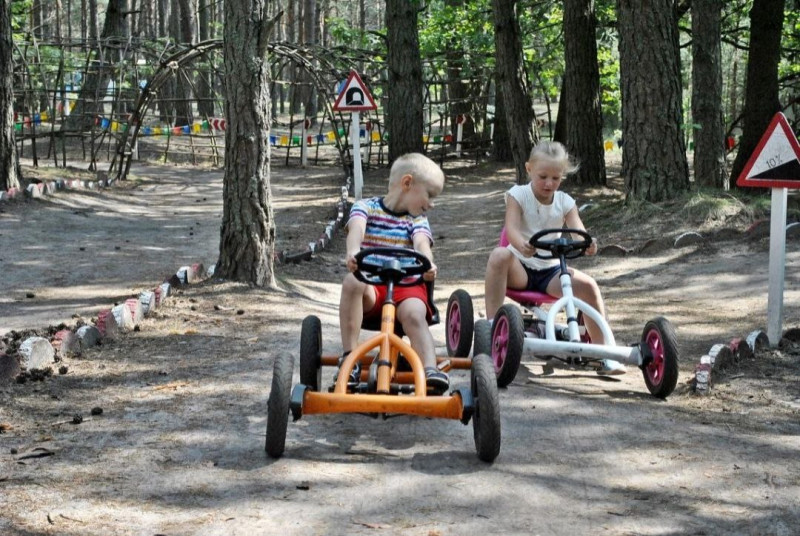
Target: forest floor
(179, 445)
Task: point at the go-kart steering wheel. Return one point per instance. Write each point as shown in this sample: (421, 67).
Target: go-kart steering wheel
(570, 248)
(389, 268)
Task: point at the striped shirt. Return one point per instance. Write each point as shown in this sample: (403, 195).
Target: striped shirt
(387, 228)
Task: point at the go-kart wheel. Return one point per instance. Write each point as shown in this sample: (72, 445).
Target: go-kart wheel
(508, 337)
(311, 353)
(486, 419)
(459, 324)
(660, 373)
(483, 338)
(278, 404)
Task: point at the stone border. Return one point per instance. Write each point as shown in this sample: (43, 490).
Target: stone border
(36, 190)
(39, 353)
(720, 356)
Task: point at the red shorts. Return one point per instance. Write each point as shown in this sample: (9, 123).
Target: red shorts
(400, 295)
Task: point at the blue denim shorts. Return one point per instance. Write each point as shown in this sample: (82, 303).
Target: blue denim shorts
(539, 279)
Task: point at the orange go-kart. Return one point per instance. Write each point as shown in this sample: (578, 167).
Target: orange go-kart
(392, 380)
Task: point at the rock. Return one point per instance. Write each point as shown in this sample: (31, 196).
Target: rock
(89, 336)
(66, 343)
(721, 357)
(147, 299)
(688, 239)
(135, 307)
(613, 250)
(107, 324)
(9, 367)
(123, 316)
(36, 353)
(757, 340)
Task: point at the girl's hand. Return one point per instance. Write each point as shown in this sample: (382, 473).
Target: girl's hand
(527, 249)
(592, 249)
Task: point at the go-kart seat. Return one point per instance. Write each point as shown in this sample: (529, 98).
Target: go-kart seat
(526, 298)
(373, 323)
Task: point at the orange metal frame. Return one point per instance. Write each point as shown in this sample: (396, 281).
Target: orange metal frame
(389, 347)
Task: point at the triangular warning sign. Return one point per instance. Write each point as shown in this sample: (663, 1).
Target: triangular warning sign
(354, 96)
(775, 162)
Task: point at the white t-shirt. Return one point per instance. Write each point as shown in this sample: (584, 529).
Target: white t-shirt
(536, 216)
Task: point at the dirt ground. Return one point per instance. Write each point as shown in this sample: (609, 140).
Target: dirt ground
(179, 446)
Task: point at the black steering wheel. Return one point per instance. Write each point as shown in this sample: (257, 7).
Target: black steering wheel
(388, 266)
(570, 248)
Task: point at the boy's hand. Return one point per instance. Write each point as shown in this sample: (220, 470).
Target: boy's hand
(430, 275)
(350, 261)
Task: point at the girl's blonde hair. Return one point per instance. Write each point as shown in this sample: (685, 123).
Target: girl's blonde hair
(554, 152)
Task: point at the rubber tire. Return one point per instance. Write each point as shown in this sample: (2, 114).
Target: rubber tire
(311, 353)
(483, 338)
(486, 418)
(661, 374)
(508, 338)
(459, 326)
(278, 404)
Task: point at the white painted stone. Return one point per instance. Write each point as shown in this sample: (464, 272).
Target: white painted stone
(36, 353)
(148, 300)
(135, 307)
(166, 288)
(123, 317)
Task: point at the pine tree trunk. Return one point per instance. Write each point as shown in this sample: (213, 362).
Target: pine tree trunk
(709, 133)
(584, 120)
(205, 102)
(9, 170)
(761, 91)
(404, 105)
(247, 235)
(654, 151)
(512, 79)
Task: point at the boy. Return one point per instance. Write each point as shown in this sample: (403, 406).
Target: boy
(396, 220)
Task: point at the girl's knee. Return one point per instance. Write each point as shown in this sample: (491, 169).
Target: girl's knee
(500, 257)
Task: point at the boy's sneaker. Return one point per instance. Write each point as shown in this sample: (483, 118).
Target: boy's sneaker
(437, 380)
(609, 367)
(355, 374)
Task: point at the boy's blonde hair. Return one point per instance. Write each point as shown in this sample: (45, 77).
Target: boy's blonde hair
(554, 152)
(418, 166)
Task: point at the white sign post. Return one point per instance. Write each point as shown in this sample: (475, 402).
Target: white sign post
(355, 98)
(304, 142)
(775, 163)
(460, 120)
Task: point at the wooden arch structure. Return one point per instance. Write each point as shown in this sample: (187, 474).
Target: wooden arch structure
(321, 72)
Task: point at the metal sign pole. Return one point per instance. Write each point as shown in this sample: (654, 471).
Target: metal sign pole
(777, 265)
(358, 178)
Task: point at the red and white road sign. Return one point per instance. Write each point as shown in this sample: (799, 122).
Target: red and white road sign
(775, 163)
(354, 96)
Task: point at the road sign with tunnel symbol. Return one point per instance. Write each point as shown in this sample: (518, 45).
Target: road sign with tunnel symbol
(354, 96)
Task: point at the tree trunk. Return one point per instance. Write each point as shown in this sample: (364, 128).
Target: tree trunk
(404, 103)
(95, 84)
(457, 88)
(247, 235)
(560, 131)
(654, 150)
(9, 167)
(512, 85)
(709, 133)
(584, 120)
(501, 143)
(205, 102)
(183, 87)
(761, 91)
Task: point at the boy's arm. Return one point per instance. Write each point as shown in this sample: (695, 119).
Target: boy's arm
(573, 221)
(356, 228)
(423, 244)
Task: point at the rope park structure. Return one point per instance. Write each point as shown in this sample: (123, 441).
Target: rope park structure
(122, 101)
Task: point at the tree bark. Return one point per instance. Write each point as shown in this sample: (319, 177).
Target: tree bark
(247, 235)
(654, 151)
(512, 80)
(9, 166)
(205, 102)
(184, 34)
(584, 120)
(709, 132)
(761, 90)
(404, 103)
